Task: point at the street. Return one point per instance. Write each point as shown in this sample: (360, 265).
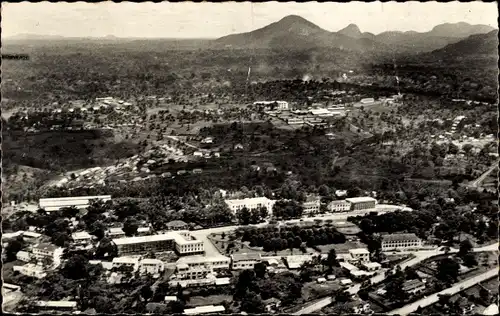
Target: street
(476, 183)
(458, 287)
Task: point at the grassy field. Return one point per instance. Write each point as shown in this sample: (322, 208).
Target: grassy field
(209, 300)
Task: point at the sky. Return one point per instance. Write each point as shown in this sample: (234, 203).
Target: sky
(211, 20)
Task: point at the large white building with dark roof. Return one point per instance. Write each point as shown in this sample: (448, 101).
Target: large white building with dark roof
(180, 241)
(80, 202)
(400, 242)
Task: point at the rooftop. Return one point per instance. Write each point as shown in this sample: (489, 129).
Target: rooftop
(399, 237)
(246, 257)
(202, 259)
(151, 261)
(56, 303)
(45, 247)
(412, 284)
(176, 223)
(204, 309)
(261, 199)
(81, 235)
(361, 199)
(125, 260)
(372, 265)
(348, 266)
(359, 251)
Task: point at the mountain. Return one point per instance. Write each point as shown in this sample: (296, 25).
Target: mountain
(295, 32)
(477, 44)
(460, 30)
(352, 30)
(29, 36)
(440, 36)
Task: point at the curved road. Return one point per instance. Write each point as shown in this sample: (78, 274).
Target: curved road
(476, 183)
(458, 287)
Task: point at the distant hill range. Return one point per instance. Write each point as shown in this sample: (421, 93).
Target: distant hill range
(296, 32)
(477, 44)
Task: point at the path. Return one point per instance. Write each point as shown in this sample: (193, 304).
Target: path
(458, 287)
(476, 183)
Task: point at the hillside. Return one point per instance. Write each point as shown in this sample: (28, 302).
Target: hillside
(440, 36)
(295, 32)
(479, 44)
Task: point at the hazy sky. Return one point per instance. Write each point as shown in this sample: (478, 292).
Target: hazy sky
(196, 20)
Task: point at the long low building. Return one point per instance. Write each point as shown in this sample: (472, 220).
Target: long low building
(180, 241)
(362, 203)
(80, 202)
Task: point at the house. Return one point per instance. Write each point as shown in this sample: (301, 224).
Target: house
(151, 266)
(339, 206)
(207, 309)
(143, 231)
(296, 261)
(238, 147)
(340, 193)
(348, 266)
(311, 205)
(222, 281)
(126, 262)
(177, 225)
(115, 232)
(184, 272)
(250, 203)
(31, 270)
(273, 105)
(31, 236)
(371, 266)
(216, 263)
(400, 242)
(47, 251)
(490, 310)
(245, 260)
(207, 140)
(346, 282)
(198, 154)
(80, 202)
(81, 238)
(360, 254)
(23, 256)
(413, 286)
(171, 298)
(362, 203)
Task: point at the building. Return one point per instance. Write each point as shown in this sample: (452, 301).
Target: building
(180, 241)
(340, 193)
(413, 286)
(367, 100)
(371, 266)
(47, 251)
(151, 266)
(143, 231)
(273, 105)
(30, 236)
(245, 261)
(400, 242)
(212, 263)
(339, 206)
(56, 305)
(311, 205)
(185, 272)
(362, 203)
(295, 262)
(177, 225)
(251, 204)
(126, 262)
(360, 254)
(116, 232)
(207, 309)
(23, 256)
(81, 238)
(348, 266)
(80, 202)
(31, 270)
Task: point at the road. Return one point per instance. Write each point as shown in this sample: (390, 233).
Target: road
(476, 183)
(458, 287)
(419, 257)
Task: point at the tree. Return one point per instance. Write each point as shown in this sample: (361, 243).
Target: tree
(465, 248)
(448, 270)
(342, 296)
(324, 190)
(130, 226)
(13, 247)
(244, 216)
(106, 249)
(331, 260)
(260, 270)
(76, 267)
(177, 307)
(252, 303)
(467, 148)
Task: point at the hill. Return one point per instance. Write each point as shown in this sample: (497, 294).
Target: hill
(440, 36)
(295, 32)
(479, 44)
(352, 30)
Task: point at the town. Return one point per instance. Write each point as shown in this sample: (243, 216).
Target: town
(285, 170)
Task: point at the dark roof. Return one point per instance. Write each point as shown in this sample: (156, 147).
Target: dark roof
(412, 284)
(399, 237)
(176, 223)
(246, 256)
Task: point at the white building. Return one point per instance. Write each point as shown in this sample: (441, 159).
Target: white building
(56, 305)
(207, 309)
(371, 266)
(48, 251)
(80, 202)
(400, 242)
(280, 105)
(81, 237)
(23, 256)
(296, 261)
(151, 266)
(339, 206)
(311, 205)
(245, 261)
(341, 193)
(31, 270)
(116, 232)
(251, 204)
(180, 241)
(130, 262)
(360, 254)
(212, 263)
(362, 203)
